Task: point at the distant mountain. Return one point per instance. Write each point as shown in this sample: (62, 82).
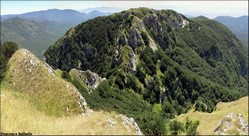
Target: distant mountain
(102, 9)
(189, 16)
(38, 30)
(239, 26)
(66, 16)
(62, 16)
(95, 13)
(33, 35)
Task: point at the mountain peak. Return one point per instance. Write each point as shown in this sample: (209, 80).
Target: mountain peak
(119, 40)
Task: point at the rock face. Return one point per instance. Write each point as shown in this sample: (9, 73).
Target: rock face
(127, 122)
(135, 38)
(232, 124)
(91, 79)
(130, 65)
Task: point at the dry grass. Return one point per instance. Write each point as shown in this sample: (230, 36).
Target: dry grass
(18, 115)
(209, 121)
(49, 92)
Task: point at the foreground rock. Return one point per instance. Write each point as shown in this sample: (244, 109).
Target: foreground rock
(130, 123)
(232, 124)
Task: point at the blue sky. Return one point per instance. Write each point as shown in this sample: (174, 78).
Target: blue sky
(207, 8)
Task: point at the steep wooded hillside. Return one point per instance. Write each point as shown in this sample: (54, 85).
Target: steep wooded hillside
(159, 56)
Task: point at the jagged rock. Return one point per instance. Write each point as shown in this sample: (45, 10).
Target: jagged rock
(82, 102)
(91, 79)
(111, 122)
(132, 62)
(135, 39)
(232, 122)
(127, 122)
(152, 21)
(184, 23)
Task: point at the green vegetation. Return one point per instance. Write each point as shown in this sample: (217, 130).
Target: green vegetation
(6, 51)
(180, 71)
(127, 102)
(36, 36)
(158, 64)
(238, 25)
(189, 128)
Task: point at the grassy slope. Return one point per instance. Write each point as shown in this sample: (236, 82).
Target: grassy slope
(209, 121)
(48, 92)
(36, 100)
(19, 115)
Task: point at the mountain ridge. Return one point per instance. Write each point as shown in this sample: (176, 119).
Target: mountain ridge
(57, 15)
(36, 31)
(32, 35)
(160, 56)
(238, 25)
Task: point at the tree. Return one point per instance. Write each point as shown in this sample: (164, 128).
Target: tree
(8, 49)
(152, 124)
(191, 127)
(66, 76)
(140, 74)
(3, 63)
(176, 127)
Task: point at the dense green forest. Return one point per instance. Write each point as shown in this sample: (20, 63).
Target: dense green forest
(157, 65)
